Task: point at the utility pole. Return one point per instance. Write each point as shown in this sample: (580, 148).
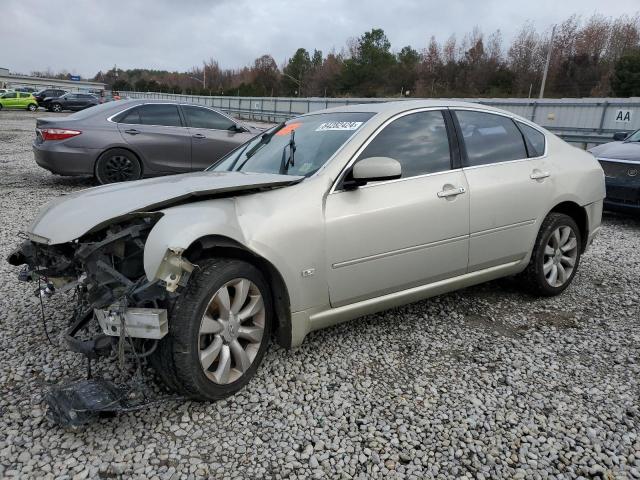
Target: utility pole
(204, 75)
(546, 66)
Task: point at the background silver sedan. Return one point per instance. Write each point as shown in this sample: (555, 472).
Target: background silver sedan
(131, 139)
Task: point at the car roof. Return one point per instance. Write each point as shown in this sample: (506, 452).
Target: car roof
(399, 106)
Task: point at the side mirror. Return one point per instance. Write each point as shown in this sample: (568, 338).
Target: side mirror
(372, 169)
(236, 127)
(619, 136)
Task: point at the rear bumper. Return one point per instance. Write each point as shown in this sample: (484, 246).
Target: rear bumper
(594, 220)
(63, 160)
(623, 196)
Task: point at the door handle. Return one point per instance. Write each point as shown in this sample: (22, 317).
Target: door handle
(198, 135)
(539, 175)
(132, 131)
(451, 192)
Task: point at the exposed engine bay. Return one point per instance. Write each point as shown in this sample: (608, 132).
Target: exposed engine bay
(117, 311)
(123, 252)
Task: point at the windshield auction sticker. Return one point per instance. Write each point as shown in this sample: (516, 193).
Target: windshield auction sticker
(287, 129)
(338, 126)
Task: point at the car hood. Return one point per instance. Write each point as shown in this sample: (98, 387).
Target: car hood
(618, 151)
(70, 216)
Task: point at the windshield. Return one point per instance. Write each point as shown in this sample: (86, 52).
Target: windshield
(299, 146)
(634, 137)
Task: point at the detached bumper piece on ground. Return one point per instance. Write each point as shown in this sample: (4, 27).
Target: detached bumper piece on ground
(78, 403)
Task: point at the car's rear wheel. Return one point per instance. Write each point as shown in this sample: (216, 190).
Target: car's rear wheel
(32, 107)
(117, 165)
(219, 331)
(555, 257)
(56, 107)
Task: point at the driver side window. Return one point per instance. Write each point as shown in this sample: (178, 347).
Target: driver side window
(419, 141)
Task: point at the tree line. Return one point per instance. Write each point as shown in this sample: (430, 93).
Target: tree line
(597, 56)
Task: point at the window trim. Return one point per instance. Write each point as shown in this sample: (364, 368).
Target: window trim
(463, 146)
(211, 110)
(526, 141)
(336, 187)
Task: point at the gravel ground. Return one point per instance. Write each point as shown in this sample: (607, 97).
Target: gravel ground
(483, 383)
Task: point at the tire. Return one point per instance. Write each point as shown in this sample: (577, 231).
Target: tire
(56, 107)
(553, 252)
(32, 107)
(117, 165)
(194, 336)
(0, 106)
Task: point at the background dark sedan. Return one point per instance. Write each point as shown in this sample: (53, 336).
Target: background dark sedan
(131, 139)
(70, 101)
(621, 164)
(48, 93)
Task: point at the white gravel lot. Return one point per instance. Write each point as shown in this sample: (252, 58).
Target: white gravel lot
(483, 383)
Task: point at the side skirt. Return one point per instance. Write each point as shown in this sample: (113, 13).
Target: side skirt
(333, 316)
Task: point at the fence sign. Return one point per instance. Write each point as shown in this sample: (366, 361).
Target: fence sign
(623, 116)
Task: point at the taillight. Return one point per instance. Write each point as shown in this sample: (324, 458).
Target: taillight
(58, 133)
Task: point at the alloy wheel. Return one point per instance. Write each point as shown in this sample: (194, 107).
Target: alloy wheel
(560, 256)
(231, 331)
(118, 168)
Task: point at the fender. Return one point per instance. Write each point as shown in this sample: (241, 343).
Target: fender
(181, 226)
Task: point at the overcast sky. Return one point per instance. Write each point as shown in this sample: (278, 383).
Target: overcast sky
(84, 37)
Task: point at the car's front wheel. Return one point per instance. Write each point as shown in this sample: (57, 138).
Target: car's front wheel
(555, 257)
(56, 107)
(32, 107)
(219, 330)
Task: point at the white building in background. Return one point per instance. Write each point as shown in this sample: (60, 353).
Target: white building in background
(9, 80)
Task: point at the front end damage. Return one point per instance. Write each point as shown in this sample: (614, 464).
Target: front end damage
(118, 311)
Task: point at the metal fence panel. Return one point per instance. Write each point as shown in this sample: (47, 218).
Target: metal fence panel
(581, 120)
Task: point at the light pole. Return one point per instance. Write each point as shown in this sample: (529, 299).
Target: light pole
(198, 79)
(298, 82)
(546, 65)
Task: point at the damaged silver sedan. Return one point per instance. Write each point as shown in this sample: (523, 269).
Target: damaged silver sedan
(321, 219)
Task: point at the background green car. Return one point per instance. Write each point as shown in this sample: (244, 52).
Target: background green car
(21, 100)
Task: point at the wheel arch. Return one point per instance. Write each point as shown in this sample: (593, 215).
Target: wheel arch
(579, 215)
(220, 246)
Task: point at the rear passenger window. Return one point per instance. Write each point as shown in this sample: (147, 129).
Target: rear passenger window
(490, 138)
(160, 114)
(535, 140)
(130, 116)
(418, 141)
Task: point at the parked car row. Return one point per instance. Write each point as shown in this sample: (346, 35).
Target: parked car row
(54, 100)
